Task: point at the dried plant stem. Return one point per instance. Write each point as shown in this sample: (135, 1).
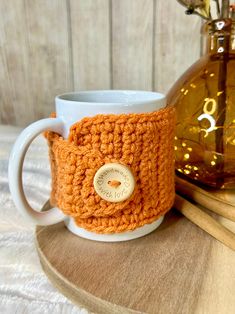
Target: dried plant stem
(202, 16)
(232, 15)
(225, 9)
(217, 8)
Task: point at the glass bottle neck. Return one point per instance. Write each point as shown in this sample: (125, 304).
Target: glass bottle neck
(220, 37)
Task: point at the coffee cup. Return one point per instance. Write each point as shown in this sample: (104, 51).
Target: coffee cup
(112, 163)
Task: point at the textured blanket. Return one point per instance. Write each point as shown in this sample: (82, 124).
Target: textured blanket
(23, 286)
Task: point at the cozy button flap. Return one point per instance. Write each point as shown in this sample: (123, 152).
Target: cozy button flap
(73, 172)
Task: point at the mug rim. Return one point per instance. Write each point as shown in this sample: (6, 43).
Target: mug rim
(152, 97)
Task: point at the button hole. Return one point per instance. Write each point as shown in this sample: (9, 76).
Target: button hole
(114, 183)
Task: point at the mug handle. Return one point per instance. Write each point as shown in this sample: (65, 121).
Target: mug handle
(15, 167)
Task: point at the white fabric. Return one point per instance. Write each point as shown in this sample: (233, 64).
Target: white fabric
(23, 286)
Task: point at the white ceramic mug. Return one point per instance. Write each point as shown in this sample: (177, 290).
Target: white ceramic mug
(70, 108)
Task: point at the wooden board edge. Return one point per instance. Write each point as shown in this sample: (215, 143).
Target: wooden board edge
(77, 296)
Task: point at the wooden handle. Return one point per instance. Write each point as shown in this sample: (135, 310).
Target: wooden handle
(206, 199)
(205, 222)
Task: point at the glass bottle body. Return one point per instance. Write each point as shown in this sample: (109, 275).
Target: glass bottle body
(205, 101)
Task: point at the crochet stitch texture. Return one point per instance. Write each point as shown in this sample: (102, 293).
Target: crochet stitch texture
(143, 142)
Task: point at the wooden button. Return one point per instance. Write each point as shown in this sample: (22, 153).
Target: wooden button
(114, 182)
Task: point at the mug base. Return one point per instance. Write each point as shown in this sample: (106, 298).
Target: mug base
(117, 237)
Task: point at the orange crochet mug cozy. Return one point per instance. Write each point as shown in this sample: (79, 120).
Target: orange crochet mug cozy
(142, 144)
(112, 163)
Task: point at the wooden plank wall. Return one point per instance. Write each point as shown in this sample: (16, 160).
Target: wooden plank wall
(50, 47)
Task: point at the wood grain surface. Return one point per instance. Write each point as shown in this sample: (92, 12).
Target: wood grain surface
(176, 269)
(50, 47)
(177, 43)
(132, 44)
(90, 43)
(34, 59)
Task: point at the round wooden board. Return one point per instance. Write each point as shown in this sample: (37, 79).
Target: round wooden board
(159, 273)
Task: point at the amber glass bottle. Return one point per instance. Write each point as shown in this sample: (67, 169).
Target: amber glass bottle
(205, 101)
